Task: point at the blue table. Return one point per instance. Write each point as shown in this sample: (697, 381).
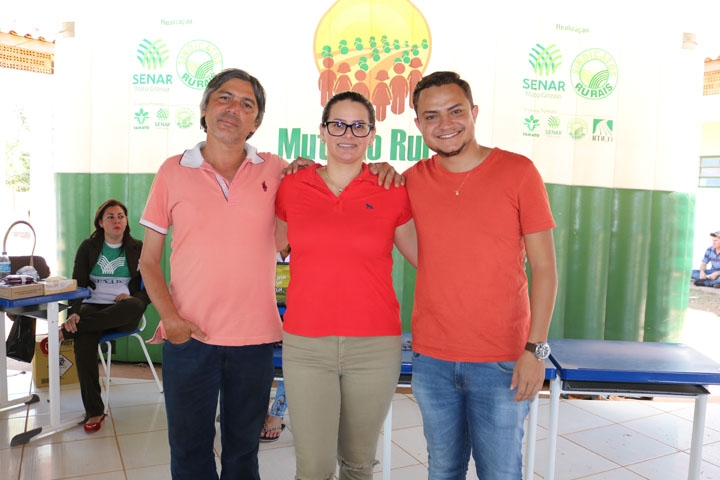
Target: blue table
(643, 369)
(28, 306)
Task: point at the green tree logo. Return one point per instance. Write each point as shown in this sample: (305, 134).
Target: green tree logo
(545, 61)
(152, 55)
(141, 115)
(531, 122)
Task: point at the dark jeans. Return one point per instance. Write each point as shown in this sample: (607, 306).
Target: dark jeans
(95, 321)
(194, 374)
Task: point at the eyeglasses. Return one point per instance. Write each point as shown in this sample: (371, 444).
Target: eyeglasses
(359, 129)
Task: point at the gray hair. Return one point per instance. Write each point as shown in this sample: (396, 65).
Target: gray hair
(220, 79)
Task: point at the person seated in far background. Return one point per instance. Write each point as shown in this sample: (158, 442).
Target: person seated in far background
(107, 262)
(708, 277)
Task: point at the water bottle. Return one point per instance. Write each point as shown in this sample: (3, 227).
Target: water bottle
(4, 265)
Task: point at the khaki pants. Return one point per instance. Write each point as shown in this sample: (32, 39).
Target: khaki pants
(339, 391)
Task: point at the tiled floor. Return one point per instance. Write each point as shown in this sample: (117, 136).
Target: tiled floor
(599, 439)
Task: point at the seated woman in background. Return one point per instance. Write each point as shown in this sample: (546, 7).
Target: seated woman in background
(107, 263)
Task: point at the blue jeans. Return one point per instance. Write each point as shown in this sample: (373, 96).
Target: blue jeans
(468, 408)
(279, 405)
(194, 374)
(708, 283)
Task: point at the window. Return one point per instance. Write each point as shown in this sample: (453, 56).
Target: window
(709, 172)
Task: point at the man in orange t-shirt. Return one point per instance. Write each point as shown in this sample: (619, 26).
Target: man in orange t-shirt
(479, 339)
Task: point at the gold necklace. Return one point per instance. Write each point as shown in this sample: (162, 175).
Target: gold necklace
(330, 181)
(457, 191)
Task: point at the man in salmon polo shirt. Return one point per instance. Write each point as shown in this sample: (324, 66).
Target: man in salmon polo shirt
(479, 339)
(219, 317)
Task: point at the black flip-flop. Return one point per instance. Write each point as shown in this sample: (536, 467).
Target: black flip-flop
(266, 430)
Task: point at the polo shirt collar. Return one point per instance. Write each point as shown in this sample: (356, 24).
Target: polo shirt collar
(193, 158)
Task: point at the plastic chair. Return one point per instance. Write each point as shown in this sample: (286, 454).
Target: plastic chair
(106, 363)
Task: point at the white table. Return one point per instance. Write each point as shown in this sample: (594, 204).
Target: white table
(31, 306)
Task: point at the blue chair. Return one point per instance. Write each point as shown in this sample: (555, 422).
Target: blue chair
(106, 362)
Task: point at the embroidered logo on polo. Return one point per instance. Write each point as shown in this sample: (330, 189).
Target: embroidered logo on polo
(109, 266)
(369, 207)
(264, 186)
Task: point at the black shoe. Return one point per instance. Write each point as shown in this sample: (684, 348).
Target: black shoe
(716, 285)
(700, 283)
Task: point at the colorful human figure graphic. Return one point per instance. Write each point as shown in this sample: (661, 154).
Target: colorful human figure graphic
(360, 85)
(413, 78)
(343, 82)
(381, 95)
(326, 82)
(399, 88)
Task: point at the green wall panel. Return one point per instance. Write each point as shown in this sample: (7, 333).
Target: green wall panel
(560, 201)
(587, 262)
(628, 264)
(673, 218)
(73, 192)
(610, 285)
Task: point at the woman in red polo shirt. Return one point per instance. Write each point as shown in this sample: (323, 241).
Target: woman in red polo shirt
(342, 328)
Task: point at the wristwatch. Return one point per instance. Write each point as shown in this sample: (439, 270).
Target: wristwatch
(540, 350)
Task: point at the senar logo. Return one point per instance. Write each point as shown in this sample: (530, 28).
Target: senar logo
(545, 61)
(152, 55)
(594, 74)
(197, 63)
